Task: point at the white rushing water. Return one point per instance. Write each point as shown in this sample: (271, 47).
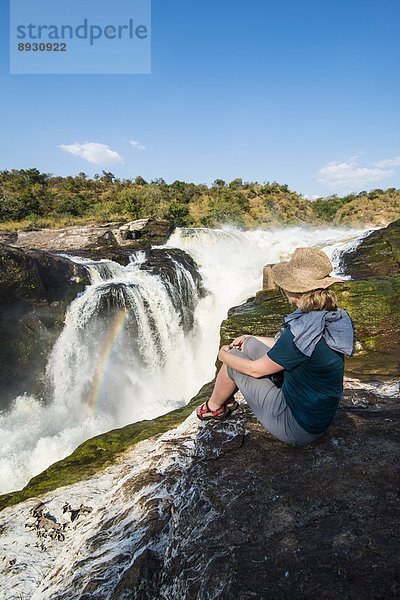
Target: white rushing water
(125, 355)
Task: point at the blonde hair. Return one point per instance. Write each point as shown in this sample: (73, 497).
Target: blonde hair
(322, 299)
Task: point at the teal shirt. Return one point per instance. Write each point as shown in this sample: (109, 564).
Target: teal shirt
(312, 384)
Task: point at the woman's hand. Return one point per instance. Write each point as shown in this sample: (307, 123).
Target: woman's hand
(238, 342)
(221, 352)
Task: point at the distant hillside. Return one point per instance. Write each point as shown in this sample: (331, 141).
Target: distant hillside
(379, 210)
(251, 205)
(29, 199)
(375, 208)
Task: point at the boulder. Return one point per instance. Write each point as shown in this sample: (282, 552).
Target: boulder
(105, 240)
(378, 255)
(174, 265)
(35, 290)
(8, 237)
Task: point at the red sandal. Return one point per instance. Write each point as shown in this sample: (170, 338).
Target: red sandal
(228, 407)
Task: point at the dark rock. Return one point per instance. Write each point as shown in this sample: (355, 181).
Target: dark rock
(238, 514)
(268, 521)
(378, 255)
(372, 304)
(8, 237)
(115, 253)
(35, 290)
(173, 265)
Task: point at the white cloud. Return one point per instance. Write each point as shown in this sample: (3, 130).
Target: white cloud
(350, 176)
(389, 162)
(312, 196)
(98, 154)
(137, 145)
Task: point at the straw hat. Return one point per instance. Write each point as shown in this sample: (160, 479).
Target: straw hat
(307, 270)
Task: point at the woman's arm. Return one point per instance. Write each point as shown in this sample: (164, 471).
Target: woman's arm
(255, 368)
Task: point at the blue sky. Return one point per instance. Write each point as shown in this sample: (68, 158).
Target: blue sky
(304, 92)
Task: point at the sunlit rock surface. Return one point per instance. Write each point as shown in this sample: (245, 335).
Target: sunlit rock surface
(222, 510)
(107, 240)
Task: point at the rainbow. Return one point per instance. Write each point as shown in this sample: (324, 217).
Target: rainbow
(101, 370)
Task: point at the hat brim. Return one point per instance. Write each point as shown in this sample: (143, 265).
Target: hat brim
(299, 281)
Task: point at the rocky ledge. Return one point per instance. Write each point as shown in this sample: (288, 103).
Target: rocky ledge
(113, 240)
(221, 510)
(378, 255)
(35, 290)
(37, 285)
(373, 306)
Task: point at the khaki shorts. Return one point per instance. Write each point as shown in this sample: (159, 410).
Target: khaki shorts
(267, 401)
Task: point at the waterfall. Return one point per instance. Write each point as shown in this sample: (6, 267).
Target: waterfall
(231, 263)
(142, 338)
(113, 363)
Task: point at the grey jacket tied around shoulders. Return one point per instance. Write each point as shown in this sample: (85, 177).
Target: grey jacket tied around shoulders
(334, 326)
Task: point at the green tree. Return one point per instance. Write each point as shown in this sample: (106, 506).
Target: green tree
(129, 202)
(11, 206)
(326, 208)
(66, 202)
(144, 202)
(227, 207)
(219, 183)
(178, 213)
(107, 177)
(236, 184)
(140, 181)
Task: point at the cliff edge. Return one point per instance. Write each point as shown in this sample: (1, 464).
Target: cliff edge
(174, 508)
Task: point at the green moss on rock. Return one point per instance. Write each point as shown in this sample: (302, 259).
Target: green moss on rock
(101, 451)
(377, 255)
(35, 289)
(372, 304)
(261, 315)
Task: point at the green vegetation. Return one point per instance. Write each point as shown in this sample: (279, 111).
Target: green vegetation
(31, 199)
(377, 207)
(100, 452)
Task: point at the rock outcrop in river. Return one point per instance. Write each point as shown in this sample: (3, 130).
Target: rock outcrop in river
(378, 255)
(106, 240)
(35, 289)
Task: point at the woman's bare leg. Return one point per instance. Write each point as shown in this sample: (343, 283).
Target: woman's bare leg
(224, 388)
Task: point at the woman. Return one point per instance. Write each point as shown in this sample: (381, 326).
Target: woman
(309, 352)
